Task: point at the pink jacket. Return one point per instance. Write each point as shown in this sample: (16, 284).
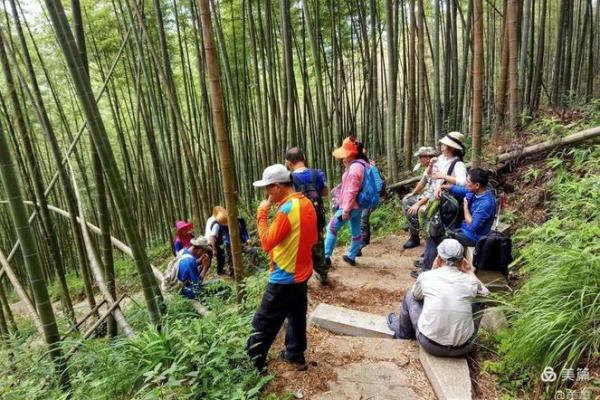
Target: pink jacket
(350, 187)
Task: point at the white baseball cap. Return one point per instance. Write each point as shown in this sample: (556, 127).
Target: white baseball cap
(450, 250)
(276, 173)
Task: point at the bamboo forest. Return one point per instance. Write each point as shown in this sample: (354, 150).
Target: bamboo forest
(177, 177)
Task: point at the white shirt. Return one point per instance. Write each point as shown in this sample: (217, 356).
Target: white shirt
(447, 295)
(211, 228)
(443, 164)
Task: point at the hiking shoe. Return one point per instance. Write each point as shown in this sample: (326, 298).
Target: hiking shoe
(415, 274)
(298, 361)
(349, 260)
(328, 261)
(412, 242)
(322, 279)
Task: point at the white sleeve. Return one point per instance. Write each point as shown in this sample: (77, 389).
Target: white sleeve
(460, 173)
(214, 231)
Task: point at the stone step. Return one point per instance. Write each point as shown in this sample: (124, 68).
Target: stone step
(448, 376)
(493, 280)
(350, 322)
(382, 380)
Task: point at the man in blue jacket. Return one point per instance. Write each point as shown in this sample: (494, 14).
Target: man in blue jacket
(479, 207)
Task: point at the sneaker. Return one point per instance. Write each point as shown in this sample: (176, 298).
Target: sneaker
(359, 253)
(298, 362)
(349, 260)
(415, 274)
(418, 263)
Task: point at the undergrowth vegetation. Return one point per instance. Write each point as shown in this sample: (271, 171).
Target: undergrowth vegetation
(555, 315)
(189, 358)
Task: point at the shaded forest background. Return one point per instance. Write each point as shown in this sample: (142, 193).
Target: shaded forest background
(120, 89)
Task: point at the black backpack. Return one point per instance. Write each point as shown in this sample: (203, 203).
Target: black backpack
(493, 252)
(450, 211)
(311, 191)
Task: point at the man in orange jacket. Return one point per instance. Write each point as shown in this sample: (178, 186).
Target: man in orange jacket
(288, 240)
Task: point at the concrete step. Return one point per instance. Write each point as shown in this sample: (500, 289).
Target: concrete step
(350, 322)
(493, 280)
(381, 380)
(449, 377)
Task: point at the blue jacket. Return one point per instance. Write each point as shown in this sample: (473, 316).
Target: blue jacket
(483, 211)
(189, 275)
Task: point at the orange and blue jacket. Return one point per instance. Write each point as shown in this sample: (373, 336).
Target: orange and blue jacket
(289, 239)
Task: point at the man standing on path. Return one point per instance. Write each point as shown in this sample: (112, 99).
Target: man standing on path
(311, 182)
(288, 240)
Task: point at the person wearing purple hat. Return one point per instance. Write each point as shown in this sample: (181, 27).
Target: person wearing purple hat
(183, 236)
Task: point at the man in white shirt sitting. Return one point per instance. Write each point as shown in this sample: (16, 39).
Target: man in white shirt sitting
(439, 311)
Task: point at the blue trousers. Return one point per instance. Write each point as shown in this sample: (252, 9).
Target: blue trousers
(335, 224)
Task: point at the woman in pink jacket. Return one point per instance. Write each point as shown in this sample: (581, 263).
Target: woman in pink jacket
(347, 208)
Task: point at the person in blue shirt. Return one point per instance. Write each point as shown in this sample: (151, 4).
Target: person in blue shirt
(479, 207)
(245, 240)
(193, 267)
(313, 184)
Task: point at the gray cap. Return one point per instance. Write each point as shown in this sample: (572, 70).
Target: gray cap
(450, 250)
(426, 151)
(276, 173)
(201, 242)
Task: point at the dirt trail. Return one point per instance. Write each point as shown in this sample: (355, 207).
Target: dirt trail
(339, 366)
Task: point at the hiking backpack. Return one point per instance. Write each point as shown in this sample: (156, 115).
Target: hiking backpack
(493, 252)
(170, 282)
(369, 195)
(450, 211)
(311, 191)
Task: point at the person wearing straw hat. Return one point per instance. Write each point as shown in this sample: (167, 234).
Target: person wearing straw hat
(448, 168)
(439, 310)
(288, 240)
(415, 202)
(356, 163)
(214, 233)
(183, 236)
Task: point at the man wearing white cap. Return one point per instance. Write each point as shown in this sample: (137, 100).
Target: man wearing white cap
(439, 310)
(415, 201)
(288, 240)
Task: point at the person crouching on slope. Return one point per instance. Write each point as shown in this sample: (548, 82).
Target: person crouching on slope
(288, 240)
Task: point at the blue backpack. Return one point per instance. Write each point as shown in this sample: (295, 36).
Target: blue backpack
(368, 197)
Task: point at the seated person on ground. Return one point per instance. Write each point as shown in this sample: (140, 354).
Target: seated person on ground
(183, 236)
(479, 207)
(439, 311)
(193, 267)
(415, 202)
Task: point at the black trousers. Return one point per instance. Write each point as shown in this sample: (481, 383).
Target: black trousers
(280, 302)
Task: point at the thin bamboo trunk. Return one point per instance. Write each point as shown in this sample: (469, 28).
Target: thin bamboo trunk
(227, 173)
(31, 259)
(99, 136)
(477, 109)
